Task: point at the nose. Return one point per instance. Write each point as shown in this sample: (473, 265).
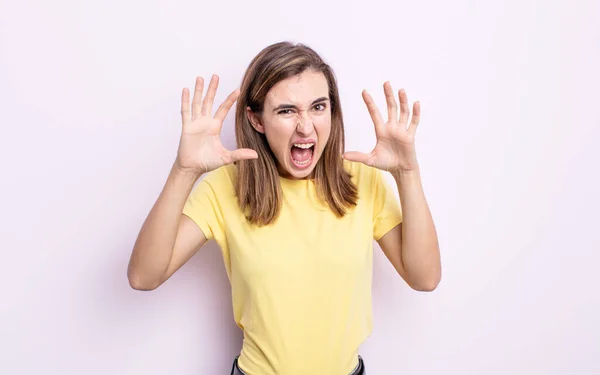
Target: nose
(305, 124)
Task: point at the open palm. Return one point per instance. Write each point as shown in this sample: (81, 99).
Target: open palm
(200, 148)
(395, 147)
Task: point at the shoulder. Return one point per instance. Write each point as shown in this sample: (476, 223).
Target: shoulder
(221, 175)
(220, 181)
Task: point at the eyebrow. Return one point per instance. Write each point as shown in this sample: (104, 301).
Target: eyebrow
(291, 106)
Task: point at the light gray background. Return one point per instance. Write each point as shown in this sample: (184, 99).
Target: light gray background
(508, 147)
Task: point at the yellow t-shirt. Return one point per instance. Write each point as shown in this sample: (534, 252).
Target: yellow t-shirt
(301, 287)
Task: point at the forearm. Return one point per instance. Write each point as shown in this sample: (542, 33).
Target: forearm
(153, 248)
(420, 249)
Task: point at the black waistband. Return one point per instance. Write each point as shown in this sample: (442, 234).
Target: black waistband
(360, 368)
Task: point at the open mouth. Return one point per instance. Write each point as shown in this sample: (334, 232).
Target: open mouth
(302, 154)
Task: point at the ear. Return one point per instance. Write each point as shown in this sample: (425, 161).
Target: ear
(255, 121)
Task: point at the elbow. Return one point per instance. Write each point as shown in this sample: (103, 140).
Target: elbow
(427, 285)
(141, 287)
(138, 282)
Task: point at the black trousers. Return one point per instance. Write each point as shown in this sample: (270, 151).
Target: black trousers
(360, 369)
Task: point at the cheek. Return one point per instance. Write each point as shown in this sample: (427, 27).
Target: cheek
(278, 134)
(323, 126)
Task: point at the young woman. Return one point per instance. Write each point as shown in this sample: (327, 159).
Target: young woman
(294, 215)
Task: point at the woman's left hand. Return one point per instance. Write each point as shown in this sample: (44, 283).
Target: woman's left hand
(395, 147)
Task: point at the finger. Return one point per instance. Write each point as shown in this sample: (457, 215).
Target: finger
(392, 107)
(356, 156)
(416, 117)
(226, 105)
(207, 104)
(373, 111)
(197, 101)
(241, 154)
(404, 112)
(185, 105)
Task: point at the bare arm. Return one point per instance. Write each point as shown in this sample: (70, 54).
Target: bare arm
(412, 246)
(168, 238)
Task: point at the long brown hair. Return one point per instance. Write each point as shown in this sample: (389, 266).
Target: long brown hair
(257, 186)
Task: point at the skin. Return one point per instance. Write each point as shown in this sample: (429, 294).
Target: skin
(307, 115)
(412, 246)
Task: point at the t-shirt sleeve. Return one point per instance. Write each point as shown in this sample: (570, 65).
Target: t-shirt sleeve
(387, 212)
(202, 206)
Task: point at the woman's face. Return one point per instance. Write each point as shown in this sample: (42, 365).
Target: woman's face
(296, 121)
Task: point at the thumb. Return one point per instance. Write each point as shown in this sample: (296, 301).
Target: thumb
(356, 156)
(243, 154)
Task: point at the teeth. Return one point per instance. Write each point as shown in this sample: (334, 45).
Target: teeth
(303, 162)
(304, 145)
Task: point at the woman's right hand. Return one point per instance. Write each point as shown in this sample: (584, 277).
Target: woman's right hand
(200, 148)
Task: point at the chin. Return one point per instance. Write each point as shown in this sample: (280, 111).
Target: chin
(303, 174)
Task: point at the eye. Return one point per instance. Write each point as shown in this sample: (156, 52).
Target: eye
(284, 112)
(320, 107)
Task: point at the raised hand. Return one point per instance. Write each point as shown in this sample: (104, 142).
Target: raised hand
(395, 147)
(200, 148)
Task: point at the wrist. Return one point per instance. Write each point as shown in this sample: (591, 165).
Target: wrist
(406, 175)
(186, 173)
